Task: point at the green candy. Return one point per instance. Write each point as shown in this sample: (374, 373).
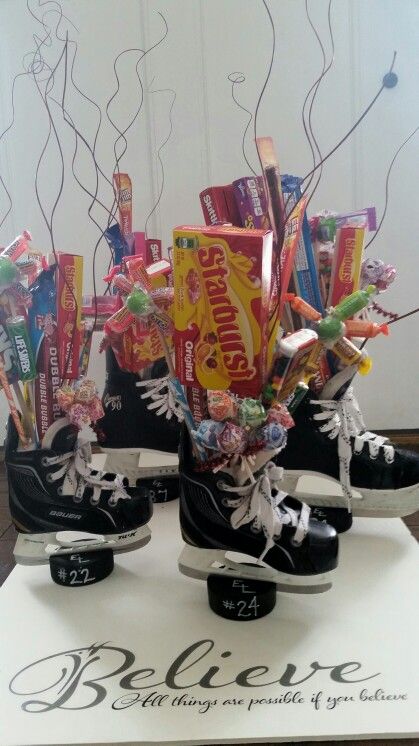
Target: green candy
(8, 272)
(251, 413)
(138, 303)
(330, 328)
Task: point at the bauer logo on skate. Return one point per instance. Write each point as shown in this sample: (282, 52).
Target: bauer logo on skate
(85, 677)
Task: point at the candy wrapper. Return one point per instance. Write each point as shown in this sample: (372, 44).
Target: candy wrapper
(251, 413)
(219, 206)
(293, 230)
(273, 188)
(42, 321)
(124, 198)
(69, 282)
(346, 267)
(19, 337)
(197, 401)
(7, 353)
(149, 249)
(304, 272)
(222, 282)
(232, 439)
(273, 435)
(207, 433)
(116, 242)
(18, 247)
(250, 198)
(81, 404)
(376, 272)
(279, 413)
(136, 341)
(221, 406)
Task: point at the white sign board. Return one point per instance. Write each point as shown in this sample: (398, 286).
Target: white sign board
(140, 658)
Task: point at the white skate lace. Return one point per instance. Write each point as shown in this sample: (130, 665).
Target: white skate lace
(261, 504)
(162, 399)
(78, 476)
(342, 419)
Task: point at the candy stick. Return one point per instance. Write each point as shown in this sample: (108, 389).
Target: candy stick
(17, 247)
(15, 415)
(26, 414)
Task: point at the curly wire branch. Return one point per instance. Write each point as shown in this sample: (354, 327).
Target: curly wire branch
(159, 151)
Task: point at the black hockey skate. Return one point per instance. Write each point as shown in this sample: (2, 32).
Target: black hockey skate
(330, 440)
(244, 510)
(60, 505)
(140, 430)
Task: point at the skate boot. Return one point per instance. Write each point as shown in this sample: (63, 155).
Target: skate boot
(242, 509)
(61, 506)
(140, 430)
(330, 440)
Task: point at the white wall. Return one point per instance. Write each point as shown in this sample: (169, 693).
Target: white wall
(207, 41)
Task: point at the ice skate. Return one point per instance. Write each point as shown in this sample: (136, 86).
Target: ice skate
(242, 509)
(60, 505)
(140, 430)
(330, 440)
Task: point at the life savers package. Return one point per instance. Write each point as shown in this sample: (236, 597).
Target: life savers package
(222, 281)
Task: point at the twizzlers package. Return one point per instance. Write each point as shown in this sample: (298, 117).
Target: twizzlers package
(222, 279)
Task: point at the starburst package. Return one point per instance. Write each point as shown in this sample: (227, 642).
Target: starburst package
(222, 280)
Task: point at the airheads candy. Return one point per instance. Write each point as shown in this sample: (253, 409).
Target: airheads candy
(222, 278)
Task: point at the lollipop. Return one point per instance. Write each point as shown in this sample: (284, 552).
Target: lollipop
(251, 413)
(221, 406)
(376, 272)
(279, 413)
(273, 434)
(232, 438)
(207, 433)
(81, 403)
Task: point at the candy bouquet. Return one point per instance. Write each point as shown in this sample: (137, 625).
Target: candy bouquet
(267, 303)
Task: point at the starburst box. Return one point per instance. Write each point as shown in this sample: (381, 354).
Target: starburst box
(222, 280)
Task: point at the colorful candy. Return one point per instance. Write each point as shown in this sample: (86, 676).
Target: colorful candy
(13, 410)
(376, 272)
(19, 337)
(207, 433)
(280, 414)
(273, 435)
(18, 247)
(351, 304)
(232, 439)
(138, 303)
(251, 413)
(81, 403)
(221, 406)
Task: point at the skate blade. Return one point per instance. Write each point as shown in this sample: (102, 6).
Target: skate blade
(138, 465)
(200, 563)
(36, 549)
(365, 503)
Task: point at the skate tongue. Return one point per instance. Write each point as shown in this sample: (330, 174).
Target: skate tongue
(240, 471)
(339, 383)
(61, 436)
